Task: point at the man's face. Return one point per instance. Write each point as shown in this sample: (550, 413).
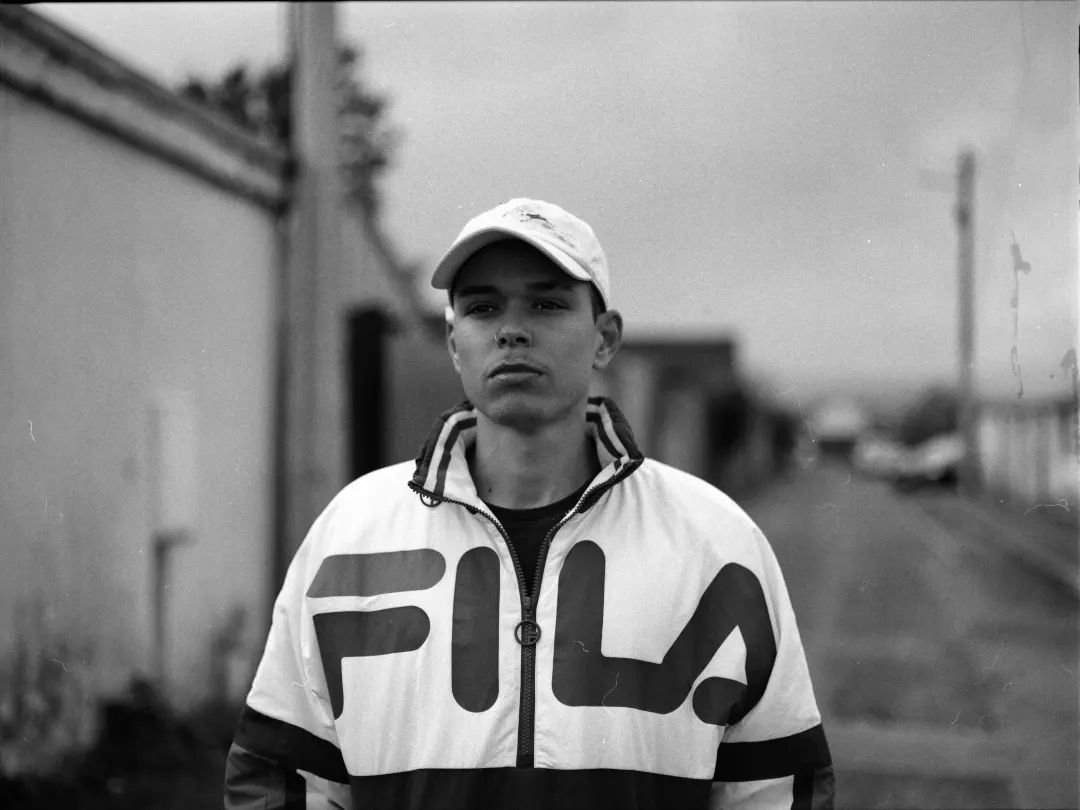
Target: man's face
(524, 340)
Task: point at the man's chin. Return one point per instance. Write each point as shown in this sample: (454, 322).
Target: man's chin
(526, 409)
(522, 416)
(519, 411)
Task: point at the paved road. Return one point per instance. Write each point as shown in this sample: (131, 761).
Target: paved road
(945, 662)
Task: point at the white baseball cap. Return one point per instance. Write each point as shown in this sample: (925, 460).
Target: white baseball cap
(555, 232)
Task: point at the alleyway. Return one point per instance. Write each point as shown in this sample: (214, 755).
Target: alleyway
(942, 637)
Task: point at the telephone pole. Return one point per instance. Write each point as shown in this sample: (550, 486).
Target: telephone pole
(311, 459)
(965, 223)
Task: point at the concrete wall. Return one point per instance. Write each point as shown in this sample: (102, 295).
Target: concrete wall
(144, 247)
(141, 260)
(129, 289)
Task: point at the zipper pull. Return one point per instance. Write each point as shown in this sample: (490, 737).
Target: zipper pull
(528, 602)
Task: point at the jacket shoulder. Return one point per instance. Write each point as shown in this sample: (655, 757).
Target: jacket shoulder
(383, 481)
(363, 502)
(697, 508)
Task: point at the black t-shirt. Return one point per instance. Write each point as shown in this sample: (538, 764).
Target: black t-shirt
(527, 529)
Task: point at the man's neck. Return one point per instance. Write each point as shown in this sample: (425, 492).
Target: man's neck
(520, 470)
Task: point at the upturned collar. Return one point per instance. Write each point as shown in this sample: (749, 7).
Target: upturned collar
(442, 470)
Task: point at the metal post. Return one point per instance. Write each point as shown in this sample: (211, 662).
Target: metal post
(965, 215)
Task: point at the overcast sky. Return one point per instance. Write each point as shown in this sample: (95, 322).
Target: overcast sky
(779, 172)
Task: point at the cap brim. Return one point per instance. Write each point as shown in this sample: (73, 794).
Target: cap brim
(448, 266)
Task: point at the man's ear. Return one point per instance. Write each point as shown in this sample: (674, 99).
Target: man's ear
(609, 329)
(451, 345)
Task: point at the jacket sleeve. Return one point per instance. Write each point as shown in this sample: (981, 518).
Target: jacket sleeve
(285, 753)
(776, 755)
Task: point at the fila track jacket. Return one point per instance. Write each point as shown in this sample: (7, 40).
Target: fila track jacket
(657, 664)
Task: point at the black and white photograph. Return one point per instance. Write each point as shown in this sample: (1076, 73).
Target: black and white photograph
(540, 405)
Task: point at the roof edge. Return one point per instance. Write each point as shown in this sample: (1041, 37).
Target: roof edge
(41, 59)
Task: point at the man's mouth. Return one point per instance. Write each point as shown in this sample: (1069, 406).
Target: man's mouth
(514, 371)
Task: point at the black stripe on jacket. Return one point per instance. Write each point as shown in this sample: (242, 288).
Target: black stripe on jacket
(529, 789)
(771, 759)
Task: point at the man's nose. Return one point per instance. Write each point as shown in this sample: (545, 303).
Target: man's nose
(512, 335)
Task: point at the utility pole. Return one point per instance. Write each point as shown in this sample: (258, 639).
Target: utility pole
(965, 216)
(310, 454)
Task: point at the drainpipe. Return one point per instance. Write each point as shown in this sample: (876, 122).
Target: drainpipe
(173, 489)
(164, 544)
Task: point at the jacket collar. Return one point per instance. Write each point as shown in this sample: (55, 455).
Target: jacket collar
(442, 472)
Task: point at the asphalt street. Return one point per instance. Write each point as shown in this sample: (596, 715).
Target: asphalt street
(942, 637)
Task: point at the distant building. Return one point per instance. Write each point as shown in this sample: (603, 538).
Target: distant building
(1028, 454)
(690, 408)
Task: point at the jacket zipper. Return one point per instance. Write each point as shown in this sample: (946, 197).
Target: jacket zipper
(527, 697)
(527, 708)
(527, 714)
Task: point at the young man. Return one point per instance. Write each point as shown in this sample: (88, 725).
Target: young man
(531, 614)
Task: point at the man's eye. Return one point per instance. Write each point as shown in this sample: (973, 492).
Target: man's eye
(550, 304)
(478, 309)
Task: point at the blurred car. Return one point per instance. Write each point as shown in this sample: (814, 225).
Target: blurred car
(935, 462)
